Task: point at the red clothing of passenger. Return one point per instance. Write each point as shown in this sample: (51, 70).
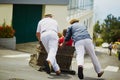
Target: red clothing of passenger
(69, 43)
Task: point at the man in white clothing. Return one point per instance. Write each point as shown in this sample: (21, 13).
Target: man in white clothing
(47, 33)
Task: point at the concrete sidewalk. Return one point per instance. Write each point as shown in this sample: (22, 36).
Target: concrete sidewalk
(14, 65)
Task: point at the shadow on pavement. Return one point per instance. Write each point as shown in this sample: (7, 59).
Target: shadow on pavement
(65, 76)
(90, 78)
(62, 76)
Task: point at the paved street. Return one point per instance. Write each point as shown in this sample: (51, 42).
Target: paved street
(14, 65)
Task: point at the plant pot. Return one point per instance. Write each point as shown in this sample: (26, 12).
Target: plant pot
(9, 43)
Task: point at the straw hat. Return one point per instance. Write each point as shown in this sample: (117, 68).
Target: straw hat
(73, 21)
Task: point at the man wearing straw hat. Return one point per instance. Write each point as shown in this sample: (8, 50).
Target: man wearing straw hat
(82, 42)
(47, 33)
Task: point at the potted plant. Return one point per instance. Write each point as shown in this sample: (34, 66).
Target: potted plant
(7, 36)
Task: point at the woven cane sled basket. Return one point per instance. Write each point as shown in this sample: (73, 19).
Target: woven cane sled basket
(42, 56)
(64, 57)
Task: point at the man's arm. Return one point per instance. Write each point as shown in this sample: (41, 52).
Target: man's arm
(68, 34)
(38, 36)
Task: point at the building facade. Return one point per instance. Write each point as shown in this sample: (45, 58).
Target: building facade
(82, 10)
(25, 14)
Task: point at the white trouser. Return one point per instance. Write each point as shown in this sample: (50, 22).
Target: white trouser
(50, 42)
(86, 45)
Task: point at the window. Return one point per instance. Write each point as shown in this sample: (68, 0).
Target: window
(76, 6)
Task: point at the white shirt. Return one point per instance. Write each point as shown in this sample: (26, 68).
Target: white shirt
(47, 24)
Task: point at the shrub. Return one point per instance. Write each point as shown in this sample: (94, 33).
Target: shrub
(99, 41)
(6, 31)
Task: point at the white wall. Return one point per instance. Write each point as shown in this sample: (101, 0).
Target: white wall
(6, 13)
(60, 13)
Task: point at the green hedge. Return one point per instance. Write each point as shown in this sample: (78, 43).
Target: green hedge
(99, 41)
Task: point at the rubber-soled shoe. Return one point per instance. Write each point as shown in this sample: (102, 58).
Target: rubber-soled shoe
(80, 73)
(100, 74)
(58, 73)
(47, 67)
